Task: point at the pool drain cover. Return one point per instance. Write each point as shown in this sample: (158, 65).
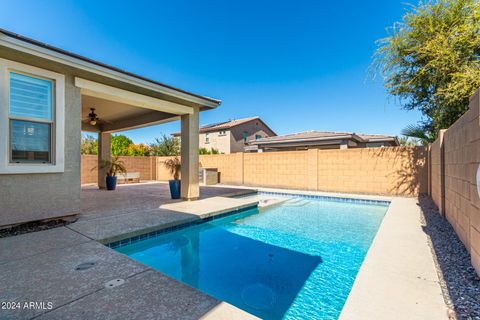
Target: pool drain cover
(114, 283)
(84, 266)
(258, 296)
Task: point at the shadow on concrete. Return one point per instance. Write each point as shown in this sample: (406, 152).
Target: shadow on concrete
(127, 198)
(460, 282)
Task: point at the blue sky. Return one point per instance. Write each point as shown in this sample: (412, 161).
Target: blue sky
(299, 65)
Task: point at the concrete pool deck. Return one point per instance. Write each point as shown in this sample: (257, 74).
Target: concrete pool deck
(397, 280)
(42, 266)
(142, 208)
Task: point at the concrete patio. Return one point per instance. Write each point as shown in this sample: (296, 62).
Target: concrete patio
(43, 267)
(135, 209)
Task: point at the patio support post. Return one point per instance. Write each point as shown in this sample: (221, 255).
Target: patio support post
(189, 152)
(103, 154)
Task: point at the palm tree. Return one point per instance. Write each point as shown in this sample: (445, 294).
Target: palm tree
(113, 166)
(418, 132)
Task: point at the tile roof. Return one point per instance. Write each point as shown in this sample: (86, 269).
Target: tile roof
(222, 125)
(325, 135)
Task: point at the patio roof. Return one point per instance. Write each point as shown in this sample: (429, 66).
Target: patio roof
(110, 99)
(21, 43)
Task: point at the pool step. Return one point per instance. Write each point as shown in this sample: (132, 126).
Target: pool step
(296, 202)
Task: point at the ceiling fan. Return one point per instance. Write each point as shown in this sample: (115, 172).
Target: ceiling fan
(93, 118)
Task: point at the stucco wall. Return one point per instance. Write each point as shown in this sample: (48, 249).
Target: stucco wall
(461, 144)
(252, 127)
(27, 197)
(218, 141)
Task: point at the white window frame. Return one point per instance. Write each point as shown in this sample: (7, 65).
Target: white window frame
(57, 139)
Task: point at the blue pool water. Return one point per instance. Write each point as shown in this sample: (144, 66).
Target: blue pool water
(295, 260)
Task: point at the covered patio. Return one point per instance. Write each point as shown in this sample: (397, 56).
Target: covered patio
(77, 94)
(108, 109)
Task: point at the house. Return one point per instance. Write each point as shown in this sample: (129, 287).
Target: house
(321, 140)
(234, 135)
(47, 95)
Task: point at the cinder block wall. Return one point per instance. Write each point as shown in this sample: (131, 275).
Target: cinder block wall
(391, 171)
(146, 166)
(276, 169)
(460, 185)
(230, 166)
(435, 174)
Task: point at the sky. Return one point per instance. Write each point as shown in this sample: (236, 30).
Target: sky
(299, 65)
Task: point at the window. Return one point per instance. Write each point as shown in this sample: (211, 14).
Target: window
(30, 99)
(257, 136)
(222, 133)
(207, 139)
(245, 136)
(31, 119)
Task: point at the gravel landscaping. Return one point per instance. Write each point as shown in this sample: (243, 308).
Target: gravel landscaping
(32, 227)
(460, 284)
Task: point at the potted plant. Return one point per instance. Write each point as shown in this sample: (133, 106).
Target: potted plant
(173, 165)
(113, 167)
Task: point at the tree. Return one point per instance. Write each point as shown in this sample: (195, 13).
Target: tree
(409, 142)
(165, 146)
(202, 151)
(418, 134)
(206, 151)
(119, 145)
(89, 145)
(138, 150)
(431, 61)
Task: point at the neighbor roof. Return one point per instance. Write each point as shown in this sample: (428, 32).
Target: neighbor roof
(226, 125)
(96, 63)
(325, 135)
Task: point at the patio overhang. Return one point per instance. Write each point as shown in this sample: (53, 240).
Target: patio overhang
(120, 109)
(122, 100)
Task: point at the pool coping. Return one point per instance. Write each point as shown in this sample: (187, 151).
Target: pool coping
(313, 192)
(398, 277)
(179, 226)
(370, 277)
(143, 234)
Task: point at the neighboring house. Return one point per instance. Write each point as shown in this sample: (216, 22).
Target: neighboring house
(46, 99)
(232, 136)
(321, 140)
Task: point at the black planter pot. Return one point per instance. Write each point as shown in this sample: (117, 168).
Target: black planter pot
(111, 182)
(174, 188)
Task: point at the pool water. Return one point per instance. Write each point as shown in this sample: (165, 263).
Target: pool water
(295, 260)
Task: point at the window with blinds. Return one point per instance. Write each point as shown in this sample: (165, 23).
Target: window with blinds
(31, 119)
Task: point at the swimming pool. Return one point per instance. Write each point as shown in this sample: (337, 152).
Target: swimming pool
(297, 259)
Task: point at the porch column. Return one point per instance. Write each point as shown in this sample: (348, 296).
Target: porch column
(189, 152)
(103, 154)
